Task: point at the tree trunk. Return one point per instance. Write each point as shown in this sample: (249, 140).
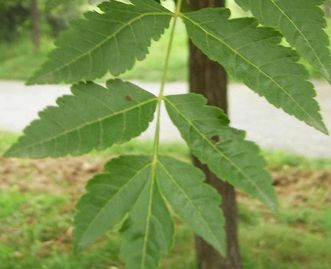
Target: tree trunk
(209, 78)
(35, 17)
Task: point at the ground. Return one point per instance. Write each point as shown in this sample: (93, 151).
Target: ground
(38, 200)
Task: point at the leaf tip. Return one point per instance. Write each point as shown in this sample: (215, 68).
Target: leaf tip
(320, 126)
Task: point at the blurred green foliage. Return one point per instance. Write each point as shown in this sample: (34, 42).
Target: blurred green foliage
(13, 14)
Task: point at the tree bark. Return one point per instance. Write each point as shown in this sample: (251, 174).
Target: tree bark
(35, 17)
(209, 78)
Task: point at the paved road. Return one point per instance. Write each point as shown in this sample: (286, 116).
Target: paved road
(269, 127)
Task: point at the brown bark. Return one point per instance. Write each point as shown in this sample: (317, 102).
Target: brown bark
(209, 78)
(35, 17)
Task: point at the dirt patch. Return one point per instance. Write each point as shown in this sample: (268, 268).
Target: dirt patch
(301, 186)
(48, 175)
(296, 185)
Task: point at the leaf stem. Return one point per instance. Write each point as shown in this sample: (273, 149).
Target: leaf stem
(163, 82)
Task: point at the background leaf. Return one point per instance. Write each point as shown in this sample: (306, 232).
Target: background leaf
(93, 117)
(254, 55)
(222, 148)
(109, 41)
(301, 22)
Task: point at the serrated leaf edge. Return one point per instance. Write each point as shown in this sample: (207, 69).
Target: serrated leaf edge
(272, 204)
(319, 125)
(34, 79)
(110, 200)
(10, 153)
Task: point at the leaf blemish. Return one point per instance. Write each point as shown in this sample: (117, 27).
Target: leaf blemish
(129, 98)
(216, 139)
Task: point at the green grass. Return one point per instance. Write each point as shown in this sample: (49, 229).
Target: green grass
(6, 139)
(34, 232)
(19, 60)
(279, 159)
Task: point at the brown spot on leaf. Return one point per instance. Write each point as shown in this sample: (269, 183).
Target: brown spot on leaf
(216, 139)
(129, 98)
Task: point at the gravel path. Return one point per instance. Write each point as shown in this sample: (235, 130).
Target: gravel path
(266, 125)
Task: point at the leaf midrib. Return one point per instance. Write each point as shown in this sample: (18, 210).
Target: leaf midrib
(83, 126)
(255, 66)
(88, 52)
(266, 198)
(149, 215)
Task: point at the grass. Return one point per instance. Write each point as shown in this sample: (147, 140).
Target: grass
(18, 61)
(34, 232)
(6, 139)
(35, 225)
(281, 159)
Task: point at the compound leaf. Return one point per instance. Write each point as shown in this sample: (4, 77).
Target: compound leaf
(301, 22)
(221, 147)
(195, 202)
(254, 55)
(109, 41)
(93, 117)
(110, 197)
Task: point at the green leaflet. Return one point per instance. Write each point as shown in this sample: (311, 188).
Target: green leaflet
(109, 197)
(221, 147)
(93, 117)
(254, 55)
(149, 232)
(195, 203)
(112, 40)
(138, 189)
(301, 22)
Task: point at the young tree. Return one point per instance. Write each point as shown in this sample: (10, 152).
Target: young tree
(135, 192)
